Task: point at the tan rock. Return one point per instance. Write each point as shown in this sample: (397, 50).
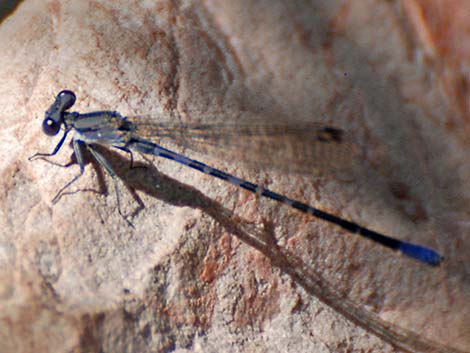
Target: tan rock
(200, 271)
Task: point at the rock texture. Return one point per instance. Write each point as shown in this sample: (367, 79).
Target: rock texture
(207, 267)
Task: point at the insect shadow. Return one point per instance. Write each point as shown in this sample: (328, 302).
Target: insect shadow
(145, 177)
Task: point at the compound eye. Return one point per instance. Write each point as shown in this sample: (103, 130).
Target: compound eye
(50, 127)
(66, 98)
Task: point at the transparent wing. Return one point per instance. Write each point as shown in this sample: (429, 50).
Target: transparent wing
(299, 147)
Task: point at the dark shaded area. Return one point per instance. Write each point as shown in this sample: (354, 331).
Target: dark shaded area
(146, 178)
(7, 7)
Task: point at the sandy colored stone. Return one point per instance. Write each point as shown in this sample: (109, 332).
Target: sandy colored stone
(201, 270)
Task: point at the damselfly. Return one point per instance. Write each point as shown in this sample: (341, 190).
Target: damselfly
(110, 128)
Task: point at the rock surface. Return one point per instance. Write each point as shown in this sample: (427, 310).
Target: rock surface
(208, 267)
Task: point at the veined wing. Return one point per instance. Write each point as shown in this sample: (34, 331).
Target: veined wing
(300, 147)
